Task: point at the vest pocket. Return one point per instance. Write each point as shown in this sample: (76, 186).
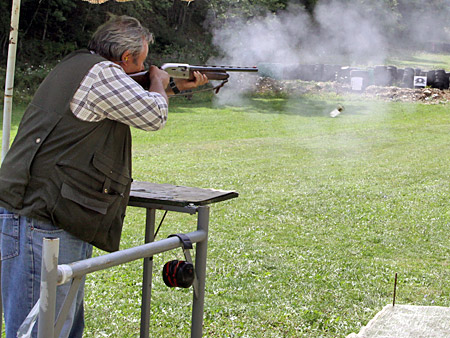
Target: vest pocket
(90, 197)
(83, 212)
(86, 200)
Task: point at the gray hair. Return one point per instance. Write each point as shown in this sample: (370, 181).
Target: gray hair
(117, 35)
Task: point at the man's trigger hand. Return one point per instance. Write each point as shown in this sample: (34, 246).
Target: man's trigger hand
(159, 75)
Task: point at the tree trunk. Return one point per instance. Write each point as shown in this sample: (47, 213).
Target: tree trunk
(46, 23)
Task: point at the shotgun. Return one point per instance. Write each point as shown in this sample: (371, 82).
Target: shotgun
(186, 71)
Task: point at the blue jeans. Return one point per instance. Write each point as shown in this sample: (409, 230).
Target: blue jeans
(21, 253)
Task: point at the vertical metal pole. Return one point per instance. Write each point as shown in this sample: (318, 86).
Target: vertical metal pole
(9, 82)
(49, 276)
(147, 275)
(7, 109)
(200, 270)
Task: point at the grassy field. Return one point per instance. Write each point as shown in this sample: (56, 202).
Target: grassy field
(426, 61)
(329, 210)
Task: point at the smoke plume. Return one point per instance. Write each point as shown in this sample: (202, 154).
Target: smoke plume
(338, 32)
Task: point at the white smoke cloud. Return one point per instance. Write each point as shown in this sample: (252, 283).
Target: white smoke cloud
(428, 22)
(272, 38)
(337, 31)
(349, 32)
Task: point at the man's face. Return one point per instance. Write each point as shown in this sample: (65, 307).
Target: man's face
(133, 64)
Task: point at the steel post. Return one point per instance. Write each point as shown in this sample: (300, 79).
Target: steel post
(9, 81)
(7, 105)
(49, 276)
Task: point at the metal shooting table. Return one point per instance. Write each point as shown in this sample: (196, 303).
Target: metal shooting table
(150, 196)
(169, 197)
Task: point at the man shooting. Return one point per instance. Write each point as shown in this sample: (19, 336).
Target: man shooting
(68, 172)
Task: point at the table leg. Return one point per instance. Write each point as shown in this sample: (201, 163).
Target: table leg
(200, 270)
(147, 275)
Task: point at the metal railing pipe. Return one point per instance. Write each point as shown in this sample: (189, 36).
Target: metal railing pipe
(67, 272)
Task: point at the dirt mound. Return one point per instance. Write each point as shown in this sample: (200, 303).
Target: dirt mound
(266, 85)
(425, 95)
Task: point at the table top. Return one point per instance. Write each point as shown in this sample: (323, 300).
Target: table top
(168, 194)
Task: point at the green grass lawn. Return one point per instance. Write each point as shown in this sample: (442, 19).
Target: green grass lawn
(426, 61)
(329, 210)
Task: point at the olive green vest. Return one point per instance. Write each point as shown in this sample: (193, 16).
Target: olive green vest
(66, 171)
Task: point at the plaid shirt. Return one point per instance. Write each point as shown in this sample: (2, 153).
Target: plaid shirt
(108, 92)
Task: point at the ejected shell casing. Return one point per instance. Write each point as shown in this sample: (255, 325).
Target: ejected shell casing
(338, 110)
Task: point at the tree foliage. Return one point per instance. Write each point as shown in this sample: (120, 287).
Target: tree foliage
(49, 29)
